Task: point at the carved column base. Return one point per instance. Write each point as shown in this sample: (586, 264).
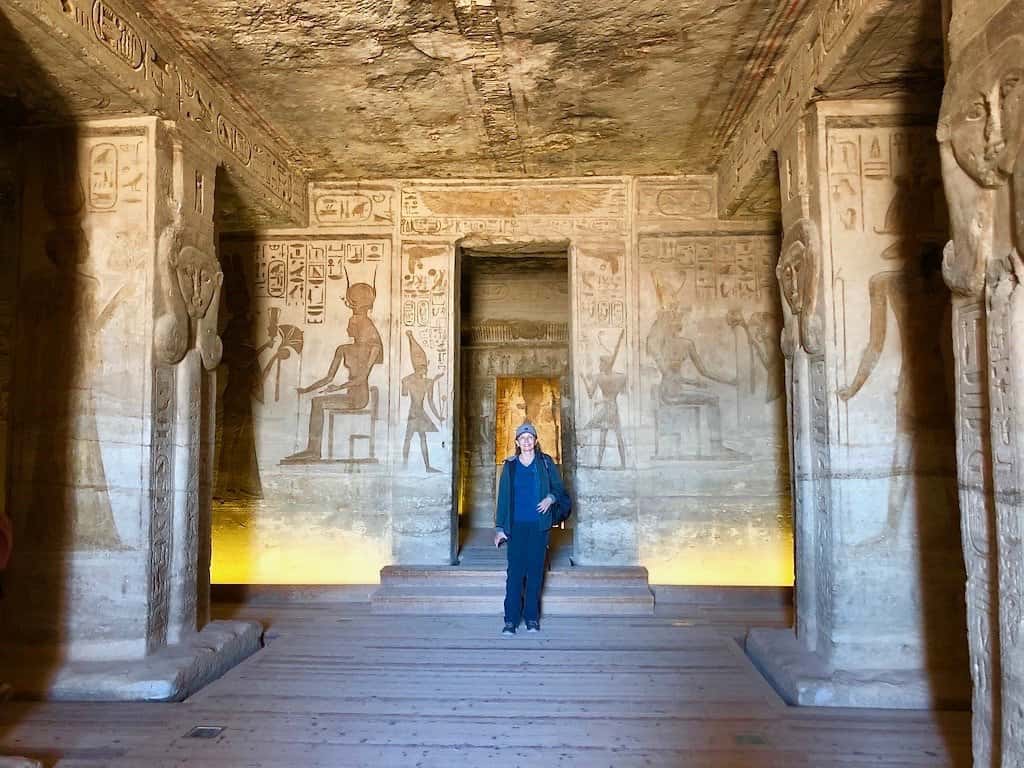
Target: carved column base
(19, 762)
(171, 674)
(804, 679)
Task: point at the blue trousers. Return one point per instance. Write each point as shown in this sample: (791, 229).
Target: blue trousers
(527, 551)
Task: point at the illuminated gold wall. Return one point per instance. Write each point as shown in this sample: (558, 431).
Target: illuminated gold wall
(535, 400)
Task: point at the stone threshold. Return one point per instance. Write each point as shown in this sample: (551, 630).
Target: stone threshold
(171, 674)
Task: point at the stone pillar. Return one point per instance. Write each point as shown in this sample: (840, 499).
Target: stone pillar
(980, 131)
(114, 339)
(879, 575)
(9, 205)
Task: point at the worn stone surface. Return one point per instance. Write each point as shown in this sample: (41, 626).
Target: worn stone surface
(868, 375)
(81, 60)
(617, 290)
(19, 762)
(114, 340)
(846, 49)
(171, 674)
(980, 134)
(465, 88)
(806, 680)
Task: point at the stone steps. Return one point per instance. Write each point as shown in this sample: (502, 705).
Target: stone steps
(570, 591)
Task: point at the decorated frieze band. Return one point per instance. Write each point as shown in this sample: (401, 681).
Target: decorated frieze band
(367, 207)
(454, 210)
(676, 197)
(819, 50)
(184, 97)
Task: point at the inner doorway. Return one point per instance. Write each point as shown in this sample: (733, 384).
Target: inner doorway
(514, 365)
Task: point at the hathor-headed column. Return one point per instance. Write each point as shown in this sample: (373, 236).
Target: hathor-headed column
(112, 409)
(879, 579)
(980, 133)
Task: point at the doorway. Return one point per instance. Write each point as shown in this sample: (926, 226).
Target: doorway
(514, 366)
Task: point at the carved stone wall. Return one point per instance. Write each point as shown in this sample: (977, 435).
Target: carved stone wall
(116, 60)
(980, 132)
(871, 417)
(305, 394)
(618, 234)
(9, 247)
(116, 273)
(710, 439)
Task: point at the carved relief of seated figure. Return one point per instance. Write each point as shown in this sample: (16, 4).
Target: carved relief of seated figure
(678, 393)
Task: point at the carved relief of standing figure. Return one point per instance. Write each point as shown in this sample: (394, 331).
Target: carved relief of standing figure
(68, 477)
(918, 300)
(419, 387)
(238, 468)
(606, 408)
(359, 357)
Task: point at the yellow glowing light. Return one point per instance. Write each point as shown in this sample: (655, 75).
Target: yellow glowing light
(302, 554)
(766, 564)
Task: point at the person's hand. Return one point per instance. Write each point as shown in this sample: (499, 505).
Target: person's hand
(499, 537)
(545, 504)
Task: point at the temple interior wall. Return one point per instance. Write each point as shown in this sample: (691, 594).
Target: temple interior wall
(660, 326)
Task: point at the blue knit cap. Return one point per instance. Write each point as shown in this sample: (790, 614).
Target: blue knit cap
(526, 428)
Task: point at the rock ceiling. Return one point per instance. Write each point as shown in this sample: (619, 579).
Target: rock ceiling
(379, 88)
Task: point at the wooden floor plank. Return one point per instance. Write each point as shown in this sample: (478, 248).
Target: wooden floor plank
(339, 686)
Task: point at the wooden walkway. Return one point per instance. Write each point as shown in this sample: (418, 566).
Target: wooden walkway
(338, 686)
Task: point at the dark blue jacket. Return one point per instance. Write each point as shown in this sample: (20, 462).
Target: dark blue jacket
(549, 483)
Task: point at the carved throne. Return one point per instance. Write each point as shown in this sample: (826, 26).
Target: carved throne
(366, 417)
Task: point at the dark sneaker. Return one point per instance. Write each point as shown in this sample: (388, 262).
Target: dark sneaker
(508, 630)
(533, 626)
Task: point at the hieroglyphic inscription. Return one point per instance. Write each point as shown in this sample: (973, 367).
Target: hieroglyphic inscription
(977, 518)
(685, 197)
(298, 270)
(348, 206)
(814, 55)
(116, 172)
(1004, 308)
(115, 33)
(897, 165)
(161, 507)
(821, 479)
(718, 267)
(425, 298)
(134, 44)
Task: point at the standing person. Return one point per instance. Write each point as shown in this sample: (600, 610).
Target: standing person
(531, 498)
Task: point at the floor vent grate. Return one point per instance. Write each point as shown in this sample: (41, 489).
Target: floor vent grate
(205, 732)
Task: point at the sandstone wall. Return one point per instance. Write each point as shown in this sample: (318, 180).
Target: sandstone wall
(672, 323)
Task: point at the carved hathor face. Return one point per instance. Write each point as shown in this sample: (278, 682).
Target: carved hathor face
(789, 272)
(982, 111)
(199, 277)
